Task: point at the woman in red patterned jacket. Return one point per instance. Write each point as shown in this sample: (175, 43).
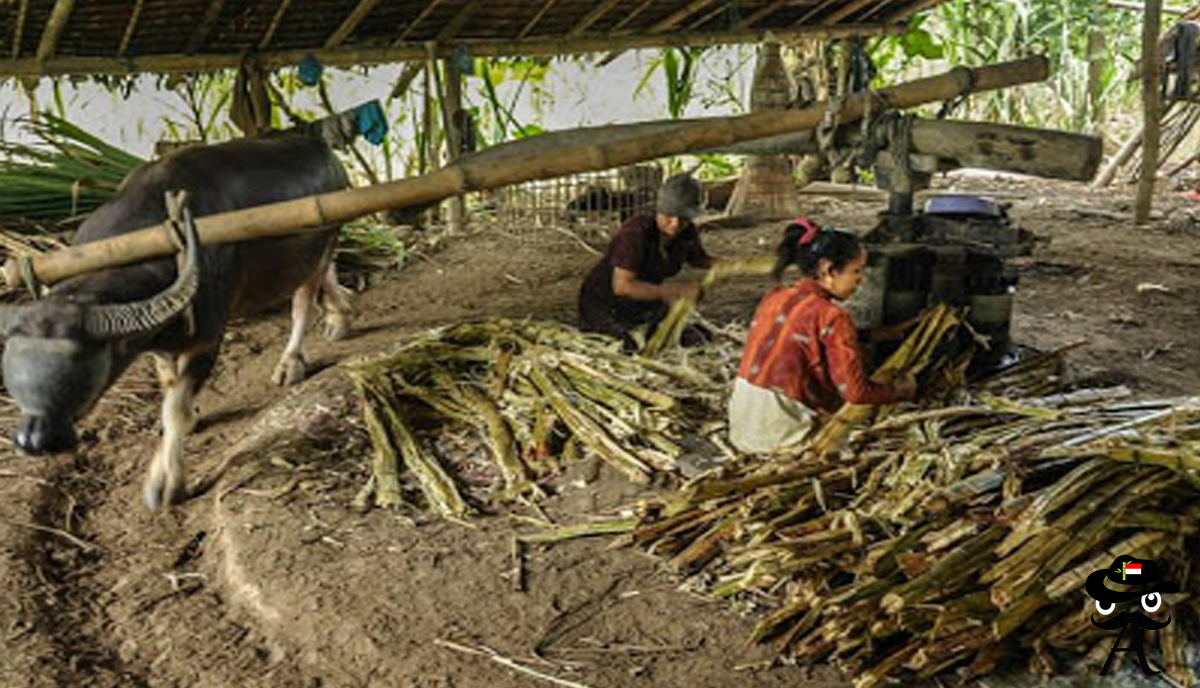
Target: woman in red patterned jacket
(802, 359)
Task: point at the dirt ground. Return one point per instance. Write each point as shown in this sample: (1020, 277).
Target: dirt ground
(273, 579)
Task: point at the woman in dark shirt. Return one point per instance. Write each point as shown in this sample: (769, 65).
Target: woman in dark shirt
(626, 289)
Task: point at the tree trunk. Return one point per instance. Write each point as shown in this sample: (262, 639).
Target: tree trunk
(1151, 126)
(767, 187)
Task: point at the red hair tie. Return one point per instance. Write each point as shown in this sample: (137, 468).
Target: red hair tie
(811, 230)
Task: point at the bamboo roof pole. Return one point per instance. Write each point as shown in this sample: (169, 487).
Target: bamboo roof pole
(429, 8)
(1151, 124)
(592, 17)
(525, 30)
(135, 15)
(276, 20)
(846, 10)
(907, 11)
(630, 16)
(763, 13)
(54, 26)
(456, 219)
(350, 23)
(212, 13)
(679, 15)
(288, 217)
(409, 51)
(19, 28)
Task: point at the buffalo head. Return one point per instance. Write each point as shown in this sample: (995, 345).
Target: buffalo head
(59, 355)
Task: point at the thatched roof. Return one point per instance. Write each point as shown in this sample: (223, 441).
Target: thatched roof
(46, 37)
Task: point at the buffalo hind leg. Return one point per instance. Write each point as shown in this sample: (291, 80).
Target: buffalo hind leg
(336, 305)
(181, 377)
(291, 367)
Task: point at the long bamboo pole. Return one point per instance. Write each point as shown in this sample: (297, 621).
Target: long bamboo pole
(473, 175)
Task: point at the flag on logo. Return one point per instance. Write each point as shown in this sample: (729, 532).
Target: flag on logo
(1133, 569)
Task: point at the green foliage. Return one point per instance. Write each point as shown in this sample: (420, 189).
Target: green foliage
(68, 174)
(679, 67)
(963, 32)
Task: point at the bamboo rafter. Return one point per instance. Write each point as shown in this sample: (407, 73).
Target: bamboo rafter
(211, 14)
(633, 14)
(907, 11)
(455, 25)
(877, 9)
(536, 18)
(679, 15)
(821, 7)
(706, 18)
(429, 8)
(276, 20)
(592, 17)
(763, 13)
(131, 27)
(58, 21)
(19, 28)
(350, 23)
(846, 10)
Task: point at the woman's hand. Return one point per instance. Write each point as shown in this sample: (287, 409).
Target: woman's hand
(682, 290)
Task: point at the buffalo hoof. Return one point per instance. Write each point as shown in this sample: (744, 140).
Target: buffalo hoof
(290, 371)
(163, 490)
(336, 326)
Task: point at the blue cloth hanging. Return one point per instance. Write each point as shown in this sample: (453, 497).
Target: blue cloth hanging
(371, 122)
(309, 70)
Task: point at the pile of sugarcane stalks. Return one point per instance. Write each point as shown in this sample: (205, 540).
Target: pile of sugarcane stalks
(957, 536)
(537, 393)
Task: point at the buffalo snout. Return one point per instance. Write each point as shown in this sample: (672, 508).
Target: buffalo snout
(39, 435)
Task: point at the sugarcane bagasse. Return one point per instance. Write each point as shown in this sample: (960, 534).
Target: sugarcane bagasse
(802, 361)
(626, 289)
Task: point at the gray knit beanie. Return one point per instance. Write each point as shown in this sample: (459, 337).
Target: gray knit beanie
(680, 196)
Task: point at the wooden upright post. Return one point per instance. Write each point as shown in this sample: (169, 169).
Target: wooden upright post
(1150, 111)
(451, 104)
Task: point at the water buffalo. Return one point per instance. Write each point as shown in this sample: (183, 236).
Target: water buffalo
(64, 351)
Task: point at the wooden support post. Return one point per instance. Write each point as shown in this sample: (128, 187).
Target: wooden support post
(1151, 125)
(350, 23)
(456, 220)
(131, 27)
(276, 20)
(54, 26)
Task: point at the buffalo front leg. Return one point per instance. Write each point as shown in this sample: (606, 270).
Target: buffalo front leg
(291, 366)
(181, 377)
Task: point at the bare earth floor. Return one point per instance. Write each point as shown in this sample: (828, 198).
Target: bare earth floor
(273, 579)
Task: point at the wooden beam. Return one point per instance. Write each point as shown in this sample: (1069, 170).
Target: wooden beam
(269, 35)
(763, 13)
(679, 15)
(536, 18)
(846, 10)
(429, 8)
(1151, 113)
(346, 57)
(592, 17)
(131, 27)
(631, 16)
(350, 23)
(212, 13)
(19, 28)
(455, 25)
(54, 26)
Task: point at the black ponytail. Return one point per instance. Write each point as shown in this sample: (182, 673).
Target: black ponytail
(804, 245)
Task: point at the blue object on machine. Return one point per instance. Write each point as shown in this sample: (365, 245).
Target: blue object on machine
(962, 204)
(371, 122)
(310, 70)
